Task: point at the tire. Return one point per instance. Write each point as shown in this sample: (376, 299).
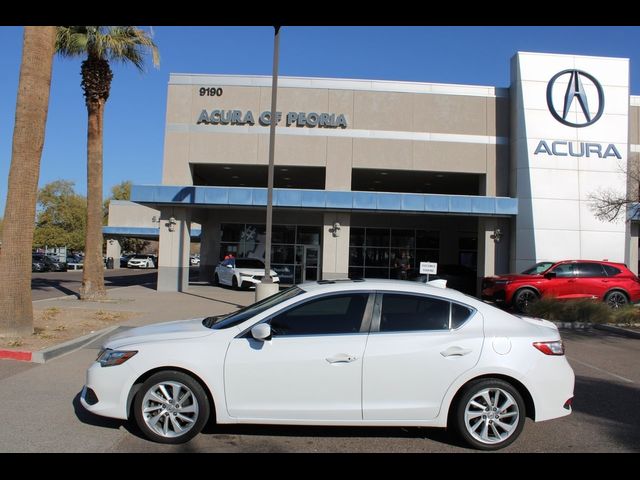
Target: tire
(170, 421)
(489, 428)
(234, 283)
(216, 279)
(523, 298)
(616, 299)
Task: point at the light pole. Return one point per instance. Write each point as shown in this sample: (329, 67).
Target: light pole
(266, 287)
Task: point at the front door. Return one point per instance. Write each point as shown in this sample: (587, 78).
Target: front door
(311, 369)
(311, 265)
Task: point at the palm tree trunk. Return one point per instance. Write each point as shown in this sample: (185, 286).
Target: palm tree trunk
(93, 269)
(16, 309)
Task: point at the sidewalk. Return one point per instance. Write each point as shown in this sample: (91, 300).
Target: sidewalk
(144, 306)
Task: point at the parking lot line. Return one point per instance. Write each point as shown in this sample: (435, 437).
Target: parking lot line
(601, 370)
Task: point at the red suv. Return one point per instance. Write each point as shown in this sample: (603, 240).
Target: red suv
(611, 282)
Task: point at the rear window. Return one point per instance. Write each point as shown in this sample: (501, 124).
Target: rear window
(611, 271)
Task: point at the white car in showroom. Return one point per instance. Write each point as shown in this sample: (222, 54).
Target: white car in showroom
(142, 261)
(241, 272)
(362, 353)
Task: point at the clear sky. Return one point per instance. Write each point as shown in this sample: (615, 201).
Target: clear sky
(135, 112)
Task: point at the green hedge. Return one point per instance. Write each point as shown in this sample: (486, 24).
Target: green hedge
(583, 311)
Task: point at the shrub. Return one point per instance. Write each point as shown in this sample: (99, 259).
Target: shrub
(571, 310)
(628, 315)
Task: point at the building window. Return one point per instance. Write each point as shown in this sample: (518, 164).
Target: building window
(287, 245)
(390, 253)
(468, 250)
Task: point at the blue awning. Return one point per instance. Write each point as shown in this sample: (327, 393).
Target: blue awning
(158, 195)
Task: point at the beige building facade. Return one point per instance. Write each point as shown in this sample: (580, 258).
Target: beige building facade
(371, 177)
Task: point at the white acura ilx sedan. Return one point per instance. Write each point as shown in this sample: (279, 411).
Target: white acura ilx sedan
(366, 353)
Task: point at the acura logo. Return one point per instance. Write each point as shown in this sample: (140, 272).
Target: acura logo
(576, 92)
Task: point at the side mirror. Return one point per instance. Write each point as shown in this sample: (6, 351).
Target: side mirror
(228, 265)
(550, 275)
(261, 332)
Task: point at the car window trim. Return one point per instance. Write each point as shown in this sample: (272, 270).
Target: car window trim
(366, 316)
(377, 312)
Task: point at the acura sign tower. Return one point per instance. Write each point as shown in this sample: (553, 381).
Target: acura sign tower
(569, 135)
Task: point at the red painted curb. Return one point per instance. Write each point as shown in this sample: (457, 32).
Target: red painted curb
(16, 355)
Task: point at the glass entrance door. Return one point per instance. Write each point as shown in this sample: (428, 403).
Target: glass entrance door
(311, 266)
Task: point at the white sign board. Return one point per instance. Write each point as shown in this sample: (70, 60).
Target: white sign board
(428, 268)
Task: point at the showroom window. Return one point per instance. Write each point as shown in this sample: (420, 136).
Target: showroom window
(390, 253)
(287, 246)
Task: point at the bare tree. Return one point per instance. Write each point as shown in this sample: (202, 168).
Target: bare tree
(610, 205)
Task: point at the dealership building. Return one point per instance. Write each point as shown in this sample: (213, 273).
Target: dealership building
(373, 177)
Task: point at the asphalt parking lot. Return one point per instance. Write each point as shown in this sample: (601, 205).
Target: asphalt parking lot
(605, 417)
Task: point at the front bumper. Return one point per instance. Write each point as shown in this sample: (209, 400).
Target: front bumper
(106, 391)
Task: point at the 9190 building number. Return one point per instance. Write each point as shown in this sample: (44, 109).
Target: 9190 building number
(210, 92)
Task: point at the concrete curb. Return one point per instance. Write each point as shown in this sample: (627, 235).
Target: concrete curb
(618, 330)
(43, 356)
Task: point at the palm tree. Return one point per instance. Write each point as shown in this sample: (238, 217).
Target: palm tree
(100, 45)
(32, 105)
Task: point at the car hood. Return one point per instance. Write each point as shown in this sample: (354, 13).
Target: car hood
(181, 329)
(513, 276)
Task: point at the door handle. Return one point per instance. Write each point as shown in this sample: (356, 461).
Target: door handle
(342, 358)
(456, 352)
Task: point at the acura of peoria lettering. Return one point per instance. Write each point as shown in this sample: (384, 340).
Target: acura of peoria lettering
(299, 119)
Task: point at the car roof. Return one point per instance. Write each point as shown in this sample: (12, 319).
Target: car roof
(383, 284)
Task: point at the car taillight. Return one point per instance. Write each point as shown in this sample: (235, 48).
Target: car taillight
(550, 348)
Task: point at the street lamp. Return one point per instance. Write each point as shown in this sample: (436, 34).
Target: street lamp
(266, 287)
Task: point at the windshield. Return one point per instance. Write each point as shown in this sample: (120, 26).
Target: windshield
(226, 321)
(537, 268)
(249, 263)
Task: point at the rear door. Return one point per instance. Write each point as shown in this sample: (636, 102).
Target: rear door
(417, 347)
(592, 280)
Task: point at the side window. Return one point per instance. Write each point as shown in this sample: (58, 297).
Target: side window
(401, 313)
(459, 315)
(335, 314)
(564, 270)
(611, 271)
(590, 270)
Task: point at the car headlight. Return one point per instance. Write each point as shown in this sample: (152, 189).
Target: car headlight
(502, 282)
(109, 357)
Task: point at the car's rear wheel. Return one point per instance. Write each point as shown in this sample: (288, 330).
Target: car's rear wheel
(490, 414)
(216, 279)
(234, 283)
(171, 407)
(616, 299)
(523, 299)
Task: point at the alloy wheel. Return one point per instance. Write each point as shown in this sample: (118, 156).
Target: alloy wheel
(170, 409)
(491, 416)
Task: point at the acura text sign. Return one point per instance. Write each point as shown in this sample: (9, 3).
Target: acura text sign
(428, 268)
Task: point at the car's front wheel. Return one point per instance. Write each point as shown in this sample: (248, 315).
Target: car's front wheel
(490, 414)
(171, 407)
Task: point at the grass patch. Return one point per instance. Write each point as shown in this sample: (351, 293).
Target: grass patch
(104, 316)
(50, 313)
(16, 342)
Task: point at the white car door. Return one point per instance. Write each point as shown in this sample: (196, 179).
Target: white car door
(225, 273)
(310, 369)
(417, 347)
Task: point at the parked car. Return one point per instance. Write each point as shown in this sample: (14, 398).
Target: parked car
(610, 282)
(241, 272)
(194, 260)
(458, 277)
(124, 260)
(142, 261)
(365, 353)
(38, 265)
(50, 265)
